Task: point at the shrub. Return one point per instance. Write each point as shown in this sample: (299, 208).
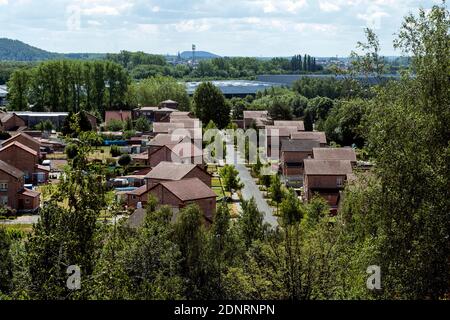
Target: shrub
(115, 151)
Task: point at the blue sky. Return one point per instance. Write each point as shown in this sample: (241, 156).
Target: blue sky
(225, 27)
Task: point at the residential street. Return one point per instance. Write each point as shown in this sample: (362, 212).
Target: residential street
(250, 188)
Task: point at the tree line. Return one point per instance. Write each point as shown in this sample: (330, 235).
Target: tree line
(66, 85)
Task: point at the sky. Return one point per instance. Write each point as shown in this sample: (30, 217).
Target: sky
(260, 28)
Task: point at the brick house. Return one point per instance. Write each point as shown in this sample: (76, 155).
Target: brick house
(326, 178)
(22, 157)
(153, 114)
(117, 115)
(335, 154)
(311, 135)
(256, 118)
(163, 139)
(11, 122)
(169, 171)
(280, 133)
(180, 115)
(187, 122)
(184, 152)
(166, 171)
(169, 104)
(92, 120)
(25, 140)
(182, 193)
(12, 192)
(290, 123)
(163, 127)
(293, 153)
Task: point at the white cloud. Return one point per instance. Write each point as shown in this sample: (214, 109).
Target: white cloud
(148, 28)
(327, 6)
(372, 17)
(289, 6)
(3, 2)
(192, 25)
(94, 23)
(156, 9)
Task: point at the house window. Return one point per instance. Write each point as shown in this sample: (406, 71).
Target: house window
(27, 201)
(339, 182)
(4, 200)
(4, 186)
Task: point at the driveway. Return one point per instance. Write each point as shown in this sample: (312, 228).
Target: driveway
(250, 188)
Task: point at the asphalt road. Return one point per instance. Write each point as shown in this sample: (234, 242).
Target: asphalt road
(250, 188)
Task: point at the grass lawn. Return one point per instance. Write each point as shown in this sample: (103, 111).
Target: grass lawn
(101, 153)
(27, 228)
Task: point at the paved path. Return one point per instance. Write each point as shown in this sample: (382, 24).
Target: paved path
(250, 188)
(22, 220)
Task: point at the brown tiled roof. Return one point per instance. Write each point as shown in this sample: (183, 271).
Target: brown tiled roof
(29, 193)
(170, 171)
(327, 167)
(299, 145)
(117, 115)
(43, 168)
(310, 135)
(290, 123)
(9, 169)
(182, 149)
(273, 131)
(6, 116)
(180, 115)
(253, 114)
(163, 127)
(24, 135)
(139, 191)
(189, 189)
(21, 146)
(188, 123)
(192, 133)
(334, 154)
(163, 139)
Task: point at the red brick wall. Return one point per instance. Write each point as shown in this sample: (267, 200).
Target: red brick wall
(294, 157)
(202, 175)
(28, 203)
(208, 206)
(321, 182)
(13, 122)
(20, 159)
(14, 186)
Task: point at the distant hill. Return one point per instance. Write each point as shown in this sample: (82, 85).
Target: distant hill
(198, 55)
(15, 50)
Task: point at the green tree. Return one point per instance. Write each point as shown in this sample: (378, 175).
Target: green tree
(291, 209)
(275, 190)
(142, 125)
(280, 111)
(6, 263)
(154, 90)
(18, 90)
(230, 178)
(115, 125)
(210, 104)
(251, 222)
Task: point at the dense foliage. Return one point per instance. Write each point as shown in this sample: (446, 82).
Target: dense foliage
(394, 217)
